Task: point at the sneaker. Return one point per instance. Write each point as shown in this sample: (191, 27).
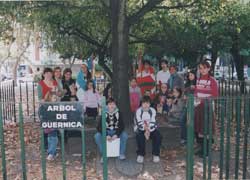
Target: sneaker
(140, 159)
(101, 160)
(122, 157)
(50, 157)
(156, 159)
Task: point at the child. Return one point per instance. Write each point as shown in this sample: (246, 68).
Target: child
(191, 82)
(47, 93)
(206, 86)
(160, 97)
(189, 89)
(91, 100)
(177, 105)
(135, 95)
(146, 128)
(114, 127)
(69, 86)
(167, 107)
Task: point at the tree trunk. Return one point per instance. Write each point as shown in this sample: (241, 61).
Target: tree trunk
(101, 62)
(120, 60)
(238, 60)
(15, 70)
(214, 58)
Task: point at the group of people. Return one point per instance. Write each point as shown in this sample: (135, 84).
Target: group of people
(168, 94)
(56, 86)
(165, 94)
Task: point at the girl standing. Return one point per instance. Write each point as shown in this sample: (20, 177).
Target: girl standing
(135, 95)
(47, 92)
(91, 100)
(206, 87)
(69, 86)
(83, 76)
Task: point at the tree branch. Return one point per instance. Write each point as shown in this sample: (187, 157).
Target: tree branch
(179, 6)
(106, 38)
(144, 40)
(152, 4)
(40, 5)
(134, 18)
(86, 37)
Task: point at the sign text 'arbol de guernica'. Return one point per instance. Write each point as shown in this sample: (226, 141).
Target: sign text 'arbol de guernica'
(61, 115)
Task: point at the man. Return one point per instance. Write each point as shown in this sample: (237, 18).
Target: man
(163, 75)
(175, 79)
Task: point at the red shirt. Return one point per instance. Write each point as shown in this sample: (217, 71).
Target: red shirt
(206, 86)
(46, 88)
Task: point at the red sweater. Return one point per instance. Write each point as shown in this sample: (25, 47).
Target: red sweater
(45, 88)
(206, 86)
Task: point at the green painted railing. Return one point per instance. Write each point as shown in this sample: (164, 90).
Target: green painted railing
(228, 129)
(43, 154)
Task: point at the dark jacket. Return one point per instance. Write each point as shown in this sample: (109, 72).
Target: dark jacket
(175, 80)
(188, 85)
(66, 86)
(113, 122)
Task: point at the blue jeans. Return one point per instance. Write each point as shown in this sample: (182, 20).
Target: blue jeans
(52, 142)
(123, 140)
(183, 124)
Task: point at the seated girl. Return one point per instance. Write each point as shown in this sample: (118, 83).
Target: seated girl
(176, 111)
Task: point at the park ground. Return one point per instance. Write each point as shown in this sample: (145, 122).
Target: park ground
(171, 166)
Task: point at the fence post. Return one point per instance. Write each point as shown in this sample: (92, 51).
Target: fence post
(228, 144)
(83, 154)
(27, 98)
(14, 98)
(104, 139)
(190, 138)
(210, 132)
(63, 154)
(21, 134)
(205, 133)
(2, 145)
(34, 104)
(223, 107)
(43, 154)
(238, 129)
(246, 122)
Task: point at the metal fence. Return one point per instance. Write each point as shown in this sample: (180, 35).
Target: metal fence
(25, 92)
(225, 125)
(42, 149)
(7, 97)
(233, 88)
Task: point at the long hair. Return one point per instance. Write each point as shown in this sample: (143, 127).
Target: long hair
(178, 90)
(206, 64)
(47, 69)
(54, 70)
(92, 84)
(67, 70)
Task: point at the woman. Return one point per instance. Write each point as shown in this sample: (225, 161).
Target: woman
(191, 82)
(69, 86)
(92, 100)
(83, 76)
(206, 87)
(57, 75)
(189, 89)
(146, 79)
(48, 92)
